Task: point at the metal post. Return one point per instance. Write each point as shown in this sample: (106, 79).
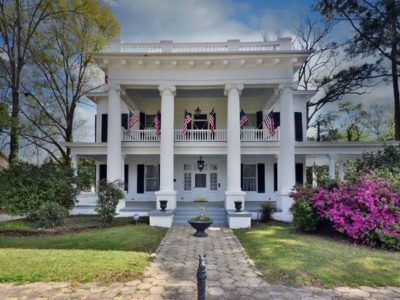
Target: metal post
(201, 278)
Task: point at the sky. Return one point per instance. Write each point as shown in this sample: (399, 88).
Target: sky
(214, 20)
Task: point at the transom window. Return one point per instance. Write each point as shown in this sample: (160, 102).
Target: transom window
(249, 178)
(152, 178)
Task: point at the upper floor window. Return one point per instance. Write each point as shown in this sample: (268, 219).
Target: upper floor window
(252, 123)
(200, 121)
(149, 121)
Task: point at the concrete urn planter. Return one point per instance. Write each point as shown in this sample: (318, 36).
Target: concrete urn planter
(200, 227)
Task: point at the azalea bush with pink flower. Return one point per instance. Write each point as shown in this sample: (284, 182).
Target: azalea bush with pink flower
(367, 210)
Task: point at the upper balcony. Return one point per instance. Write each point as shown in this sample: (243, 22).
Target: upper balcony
(202, 135)
(116, 46)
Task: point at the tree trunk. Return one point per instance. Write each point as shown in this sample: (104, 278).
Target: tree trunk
(396, 101)
(14, 133)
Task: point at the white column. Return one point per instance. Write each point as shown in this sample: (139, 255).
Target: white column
(74, 164)
(341, 170)
(286, 163)
(332, 165)
(314, 176)
(167, 191)
(234, 191)
(114, 134)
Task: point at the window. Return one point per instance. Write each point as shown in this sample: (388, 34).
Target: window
(252, 123)
(200, 121)
(213, 167)
(213, 181)
(149, 121)
(152, 178)
(249, 178)
(200, 180)
(187, 178)
(187, 167)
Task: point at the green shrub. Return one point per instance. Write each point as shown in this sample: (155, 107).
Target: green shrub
(25, 187)
(49, 215)
(304, 216)
(108, 197)
(267, 209)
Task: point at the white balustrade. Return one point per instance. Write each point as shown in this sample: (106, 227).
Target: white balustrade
(258, 135)
(87, 199)
(200, 135)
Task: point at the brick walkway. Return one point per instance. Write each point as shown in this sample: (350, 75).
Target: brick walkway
(231, 275)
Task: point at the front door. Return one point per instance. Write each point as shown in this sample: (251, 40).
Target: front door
(201, 185)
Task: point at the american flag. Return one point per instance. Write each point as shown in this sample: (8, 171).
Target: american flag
(270, 123)
(187, 118)
(243, 118)
(211, 121)
(157, 122)
(132, 120)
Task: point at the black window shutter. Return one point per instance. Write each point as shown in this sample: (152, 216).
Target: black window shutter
(277, 119)
(142, 120)
(260, 178)
(140, 179)
(215, 120)
(275, 177)
(189, 126)
(104, 128)
(95, 128)
(126, 177)
(241, 176)
(160, 121)
(124, 121)
(259, 119)
(298, 127)
(103, 172)
(299, 173)
(158, 176)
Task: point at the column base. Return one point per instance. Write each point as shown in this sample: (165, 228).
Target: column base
(232, 196)
(170, 196)
(286, 203)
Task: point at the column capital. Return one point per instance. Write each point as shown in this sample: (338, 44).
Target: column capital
(286, 85)
(115, 86)
(230, 86)
(332, 156)
(167, 90)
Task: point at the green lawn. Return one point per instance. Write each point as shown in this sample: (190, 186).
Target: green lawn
(113, 254)
(286, 256)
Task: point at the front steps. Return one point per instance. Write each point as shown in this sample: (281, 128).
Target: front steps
(184, 212)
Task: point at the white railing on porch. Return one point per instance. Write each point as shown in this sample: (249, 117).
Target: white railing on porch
(201, 135)
(87, 199)
(258, 135)
(145, 135)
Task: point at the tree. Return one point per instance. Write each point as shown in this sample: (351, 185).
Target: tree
(19, 22)
(354, 120)
(376, 29)
(321, 71)
(63, 73)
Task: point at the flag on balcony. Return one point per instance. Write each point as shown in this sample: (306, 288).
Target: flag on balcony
(270, 123)
(157, 122)
(187, 118)
(132, 120)
(211, 121)
(243, 118)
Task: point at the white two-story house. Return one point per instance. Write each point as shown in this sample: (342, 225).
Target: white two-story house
(143, 139)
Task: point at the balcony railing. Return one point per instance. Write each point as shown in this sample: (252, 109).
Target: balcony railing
(200, 135)
(87, 199)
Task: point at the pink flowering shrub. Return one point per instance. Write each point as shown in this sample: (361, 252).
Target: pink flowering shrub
(367, 210)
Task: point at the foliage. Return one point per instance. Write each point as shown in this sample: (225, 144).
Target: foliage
(86, 174)
(108, 198)
(201, 219)
(366, 210)
(304, 216)
(25, 187)
(287, 256)
(267, 209)
(107, 255)
(49, 215)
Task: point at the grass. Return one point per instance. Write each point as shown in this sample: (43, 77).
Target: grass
(104, 255)
(72, 222)
(288, 257)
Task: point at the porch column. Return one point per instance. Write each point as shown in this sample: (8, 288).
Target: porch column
(314, 176)
(114, 134)
(167, 191)
(286, 162)
(74, 163)
(332, 165)
(341, 170)
(234, 191)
